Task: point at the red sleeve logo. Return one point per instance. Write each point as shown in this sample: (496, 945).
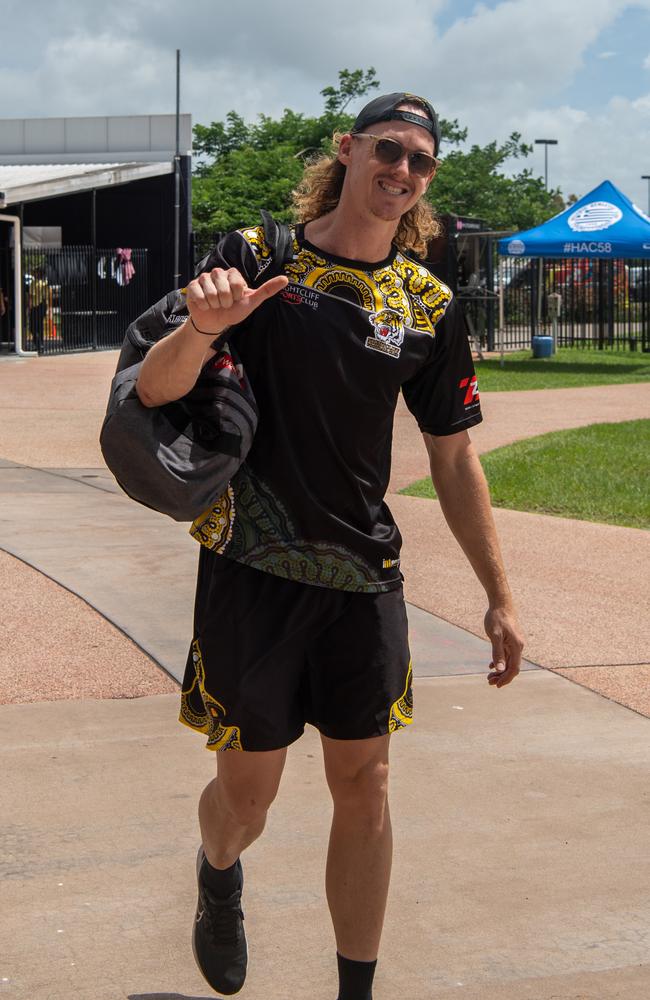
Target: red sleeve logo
(472, 394)
(224, 360)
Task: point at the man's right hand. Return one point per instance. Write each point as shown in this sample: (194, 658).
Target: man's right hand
(218, 299)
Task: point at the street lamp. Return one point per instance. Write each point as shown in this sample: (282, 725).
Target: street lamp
(646, 177)
(546, 143)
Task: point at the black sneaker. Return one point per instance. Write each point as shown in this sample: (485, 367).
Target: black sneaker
(218, 939)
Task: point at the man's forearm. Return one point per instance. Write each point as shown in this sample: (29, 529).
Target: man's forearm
(464, 496)
(172, 366)
(218, 299)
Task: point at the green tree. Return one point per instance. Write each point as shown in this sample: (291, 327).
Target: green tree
(245, 167)
(219, 139)
(351, 84)
(472, 184)
(231, 193)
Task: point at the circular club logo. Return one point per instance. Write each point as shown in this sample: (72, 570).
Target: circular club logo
(516, 247)
(594, 216)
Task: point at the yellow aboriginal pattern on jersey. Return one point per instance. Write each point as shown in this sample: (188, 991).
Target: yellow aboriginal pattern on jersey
(213, 528)
(401, 712)
(404, 286)
(209, 721)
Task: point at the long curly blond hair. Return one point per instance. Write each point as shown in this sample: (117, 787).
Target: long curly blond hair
(320, 189)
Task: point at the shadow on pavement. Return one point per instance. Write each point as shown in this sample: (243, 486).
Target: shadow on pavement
(166, 996)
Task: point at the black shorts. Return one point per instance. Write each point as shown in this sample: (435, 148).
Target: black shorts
(271, 654)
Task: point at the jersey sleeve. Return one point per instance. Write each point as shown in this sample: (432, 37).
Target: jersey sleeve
(443, 395)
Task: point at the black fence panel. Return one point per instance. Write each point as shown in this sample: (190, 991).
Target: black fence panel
(202, 244)
(605, 304)
(475, 287)
(78, 299)
(518, 281)
(6, 300)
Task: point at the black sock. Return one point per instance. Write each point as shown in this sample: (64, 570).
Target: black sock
(355, 978)
(222, 881)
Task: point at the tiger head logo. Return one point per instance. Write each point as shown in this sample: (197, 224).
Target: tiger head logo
(389, 326)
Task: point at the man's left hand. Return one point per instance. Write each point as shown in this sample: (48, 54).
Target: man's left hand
(507, 643)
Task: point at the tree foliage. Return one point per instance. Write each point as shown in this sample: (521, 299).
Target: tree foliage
(472, 184)
(243, 167)
(351, 84)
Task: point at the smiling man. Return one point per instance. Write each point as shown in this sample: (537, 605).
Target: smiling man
(300, 614)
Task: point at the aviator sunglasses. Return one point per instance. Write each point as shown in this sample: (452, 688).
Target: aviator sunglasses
(390, 151)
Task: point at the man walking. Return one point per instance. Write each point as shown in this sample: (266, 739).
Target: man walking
(299, 612)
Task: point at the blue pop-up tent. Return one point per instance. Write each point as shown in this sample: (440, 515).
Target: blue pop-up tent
(604, 224)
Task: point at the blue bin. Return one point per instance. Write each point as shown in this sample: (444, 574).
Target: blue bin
(542, 347)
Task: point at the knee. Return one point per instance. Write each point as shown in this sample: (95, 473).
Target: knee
(362, 792)
(246, 804)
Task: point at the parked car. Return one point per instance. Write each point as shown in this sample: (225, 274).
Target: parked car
(639, 283)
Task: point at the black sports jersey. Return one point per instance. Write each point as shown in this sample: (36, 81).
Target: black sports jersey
(327, 358)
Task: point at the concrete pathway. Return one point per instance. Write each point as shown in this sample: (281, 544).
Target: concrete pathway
(138, 568)
(576, 583)
(521, 867)
(520, 815)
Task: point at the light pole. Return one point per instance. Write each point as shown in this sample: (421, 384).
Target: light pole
(177, 177)
(546, 143)
(646, 177)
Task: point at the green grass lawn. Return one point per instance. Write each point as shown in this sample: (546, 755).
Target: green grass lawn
(596, 473)
(568, 367)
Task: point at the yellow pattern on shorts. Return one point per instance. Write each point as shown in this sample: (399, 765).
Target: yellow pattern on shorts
(220, 737)
(401, 712)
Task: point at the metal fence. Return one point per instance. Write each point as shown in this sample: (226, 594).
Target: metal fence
(605, 304)
(76, 298)
(202, 244)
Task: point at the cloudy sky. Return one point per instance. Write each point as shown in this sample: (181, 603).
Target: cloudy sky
(573, 70)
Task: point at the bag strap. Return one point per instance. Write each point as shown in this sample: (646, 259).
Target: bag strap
(279, 238)
(148, 328)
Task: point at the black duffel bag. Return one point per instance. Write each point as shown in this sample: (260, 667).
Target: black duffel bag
(179, 458)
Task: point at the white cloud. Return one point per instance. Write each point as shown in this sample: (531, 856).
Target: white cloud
(249, 56)
(525, 50)
(111, 62)
(646, 62)
(607, 55)
(612, 144)
(502, 68)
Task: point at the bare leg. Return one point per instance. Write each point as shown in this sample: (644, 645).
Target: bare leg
(233, 806)
(360, 847)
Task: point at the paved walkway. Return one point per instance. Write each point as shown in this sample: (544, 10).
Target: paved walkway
(577, 584)
(519, 814)
(521, 867)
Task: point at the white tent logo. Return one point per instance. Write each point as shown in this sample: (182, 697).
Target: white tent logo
(516, 247)
(594, 216)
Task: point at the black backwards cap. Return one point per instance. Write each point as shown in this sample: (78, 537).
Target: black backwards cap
(384, 109)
